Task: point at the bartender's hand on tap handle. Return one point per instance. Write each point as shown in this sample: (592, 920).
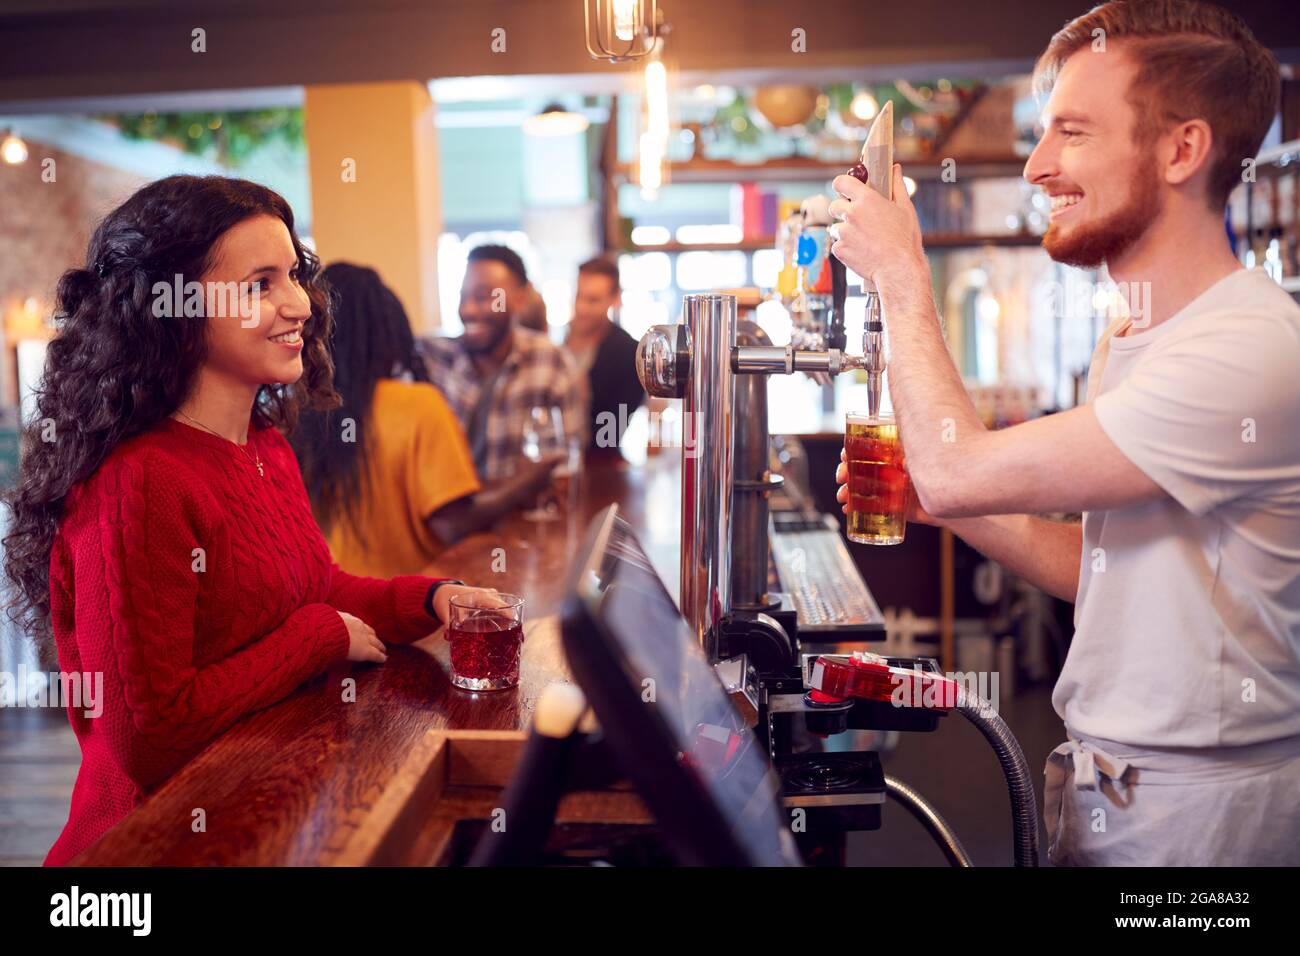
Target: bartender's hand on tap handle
(877, 238)
(915, 513)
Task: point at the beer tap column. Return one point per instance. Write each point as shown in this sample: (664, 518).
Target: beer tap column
(697, 361)
(689, 361)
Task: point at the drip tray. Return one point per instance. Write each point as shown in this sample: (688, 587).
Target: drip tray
(836, 791)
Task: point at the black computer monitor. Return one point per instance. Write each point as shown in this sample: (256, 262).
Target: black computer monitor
(703, 774)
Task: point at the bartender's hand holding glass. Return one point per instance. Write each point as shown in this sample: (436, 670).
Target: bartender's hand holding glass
(915, 513)
(878, 238)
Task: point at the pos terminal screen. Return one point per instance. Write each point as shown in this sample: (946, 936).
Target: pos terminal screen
(658, 694)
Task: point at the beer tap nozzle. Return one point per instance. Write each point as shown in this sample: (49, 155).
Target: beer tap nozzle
(873, 352)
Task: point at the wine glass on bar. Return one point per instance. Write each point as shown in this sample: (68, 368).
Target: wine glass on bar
(543, 434)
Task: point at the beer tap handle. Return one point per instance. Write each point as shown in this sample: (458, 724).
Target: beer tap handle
(877, 166)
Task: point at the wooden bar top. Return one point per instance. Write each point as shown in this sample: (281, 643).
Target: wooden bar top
(293, 783)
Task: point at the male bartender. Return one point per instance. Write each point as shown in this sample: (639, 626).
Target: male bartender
(1181, 690)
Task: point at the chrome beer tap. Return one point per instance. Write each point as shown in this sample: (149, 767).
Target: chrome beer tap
(724, 418)
(724, 449)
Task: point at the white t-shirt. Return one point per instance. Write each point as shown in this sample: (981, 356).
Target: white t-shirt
(1187, 620)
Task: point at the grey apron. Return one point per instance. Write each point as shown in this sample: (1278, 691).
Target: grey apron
(1111, 804)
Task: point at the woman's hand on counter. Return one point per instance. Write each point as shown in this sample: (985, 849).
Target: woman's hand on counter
(480, 597)
(363, 643)
(915, 513)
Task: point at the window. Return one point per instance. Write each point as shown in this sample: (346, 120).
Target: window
(712, 270)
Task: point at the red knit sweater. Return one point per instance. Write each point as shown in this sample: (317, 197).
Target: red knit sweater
(201, 591)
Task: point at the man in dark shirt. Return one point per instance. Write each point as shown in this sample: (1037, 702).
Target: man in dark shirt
(606, 353)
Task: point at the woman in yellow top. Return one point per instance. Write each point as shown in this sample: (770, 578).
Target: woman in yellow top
(389, 472)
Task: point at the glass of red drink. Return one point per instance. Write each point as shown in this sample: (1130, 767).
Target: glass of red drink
(486, 633)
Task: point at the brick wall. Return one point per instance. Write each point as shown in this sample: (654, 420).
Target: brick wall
(44, 228)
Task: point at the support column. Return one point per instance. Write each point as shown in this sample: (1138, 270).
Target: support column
(375, 186)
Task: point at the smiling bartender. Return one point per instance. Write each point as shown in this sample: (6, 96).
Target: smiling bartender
(1181, 690)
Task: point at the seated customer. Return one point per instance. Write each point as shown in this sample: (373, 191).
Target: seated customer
(606, 354)
(497, 374)
(389, 472)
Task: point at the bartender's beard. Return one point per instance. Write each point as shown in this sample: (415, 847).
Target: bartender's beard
(1088, 245)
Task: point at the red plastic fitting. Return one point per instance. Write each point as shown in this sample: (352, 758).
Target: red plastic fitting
(868, 677)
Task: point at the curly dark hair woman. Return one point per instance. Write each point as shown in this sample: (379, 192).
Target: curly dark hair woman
(160, 533)
(389, 471)
(114, 370)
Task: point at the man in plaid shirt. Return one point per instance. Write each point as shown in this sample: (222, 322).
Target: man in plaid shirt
(495, 374)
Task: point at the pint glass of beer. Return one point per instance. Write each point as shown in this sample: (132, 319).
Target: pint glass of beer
(879, 489)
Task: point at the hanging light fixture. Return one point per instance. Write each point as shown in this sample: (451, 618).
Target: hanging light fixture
(620, 30)
(12, 148)
(652, 147)
(555, 120)
(864, 106)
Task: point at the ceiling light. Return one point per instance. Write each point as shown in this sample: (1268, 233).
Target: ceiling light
(618, 30)
(12, 148)
(864, 106)
(555, 120)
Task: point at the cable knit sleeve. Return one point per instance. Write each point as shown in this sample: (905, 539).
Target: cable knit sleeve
(137, 589)
(394, 608)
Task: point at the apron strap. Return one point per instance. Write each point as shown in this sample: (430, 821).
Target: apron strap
(1091, 767)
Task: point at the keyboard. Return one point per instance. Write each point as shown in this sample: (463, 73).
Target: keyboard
(815, 568)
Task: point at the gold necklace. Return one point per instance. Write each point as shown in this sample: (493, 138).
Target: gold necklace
(256, 459)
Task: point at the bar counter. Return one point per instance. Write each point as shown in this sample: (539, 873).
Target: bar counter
(293, 784)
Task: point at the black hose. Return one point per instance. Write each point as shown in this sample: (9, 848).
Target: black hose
(1024, 803)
